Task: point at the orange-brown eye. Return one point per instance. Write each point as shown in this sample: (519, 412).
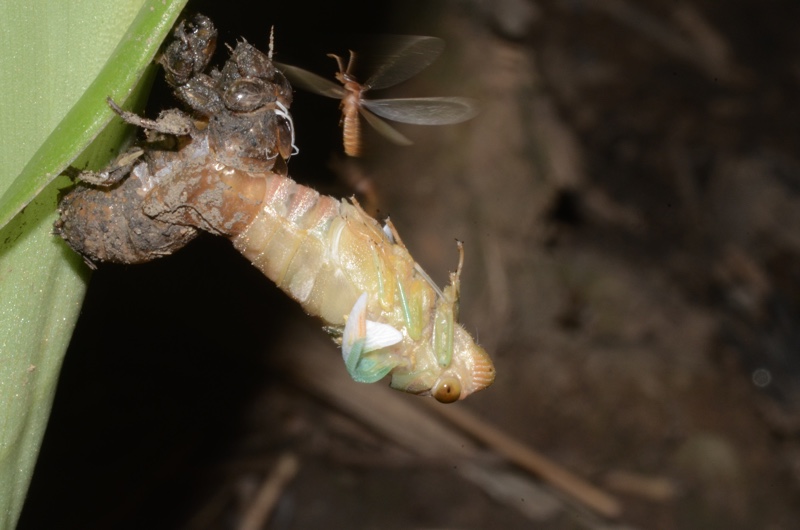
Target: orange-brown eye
(447, 390)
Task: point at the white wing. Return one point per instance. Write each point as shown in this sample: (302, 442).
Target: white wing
(401, 58)
(384, 128)
(424, 111)
(311, 82)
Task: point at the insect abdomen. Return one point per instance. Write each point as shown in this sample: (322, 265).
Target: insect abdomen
(351, 125)
(293, 240)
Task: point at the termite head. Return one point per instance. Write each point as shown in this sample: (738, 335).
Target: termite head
(345, 74)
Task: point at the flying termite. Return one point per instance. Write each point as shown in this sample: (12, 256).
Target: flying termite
(409, 56)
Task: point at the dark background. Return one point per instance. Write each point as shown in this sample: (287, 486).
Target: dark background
(628, 199)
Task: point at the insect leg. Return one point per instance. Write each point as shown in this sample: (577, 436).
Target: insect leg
(411, 308)
(443, 332)
(446, 314)
(394, 237)
(455, 280)
(115, 172)
(172, 122)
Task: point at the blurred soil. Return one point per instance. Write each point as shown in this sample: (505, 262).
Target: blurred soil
(629, 202)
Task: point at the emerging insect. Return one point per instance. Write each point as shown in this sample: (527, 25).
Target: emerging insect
(328, 254)
(411, 55)
(388, 315)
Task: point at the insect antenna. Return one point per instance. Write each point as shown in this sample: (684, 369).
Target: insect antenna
(351, 63)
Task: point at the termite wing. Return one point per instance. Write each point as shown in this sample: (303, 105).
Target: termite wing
(221, 169)
(409, 56)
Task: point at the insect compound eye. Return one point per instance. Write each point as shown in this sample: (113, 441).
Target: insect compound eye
(447, 390)
(246, 95)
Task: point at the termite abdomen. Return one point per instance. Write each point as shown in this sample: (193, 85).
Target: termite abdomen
(351, 127)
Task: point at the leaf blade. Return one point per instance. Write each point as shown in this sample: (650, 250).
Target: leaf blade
(86, 119)
(42, 283)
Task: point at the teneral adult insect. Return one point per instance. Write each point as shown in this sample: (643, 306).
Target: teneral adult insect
(220, 174)
(410, 56)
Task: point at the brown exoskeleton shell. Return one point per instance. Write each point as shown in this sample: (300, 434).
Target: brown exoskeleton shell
(135, 210)
(112, 227)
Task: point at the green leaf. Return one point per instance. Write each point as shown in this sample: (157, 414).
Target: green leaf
(60, 61)
(72, 36)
